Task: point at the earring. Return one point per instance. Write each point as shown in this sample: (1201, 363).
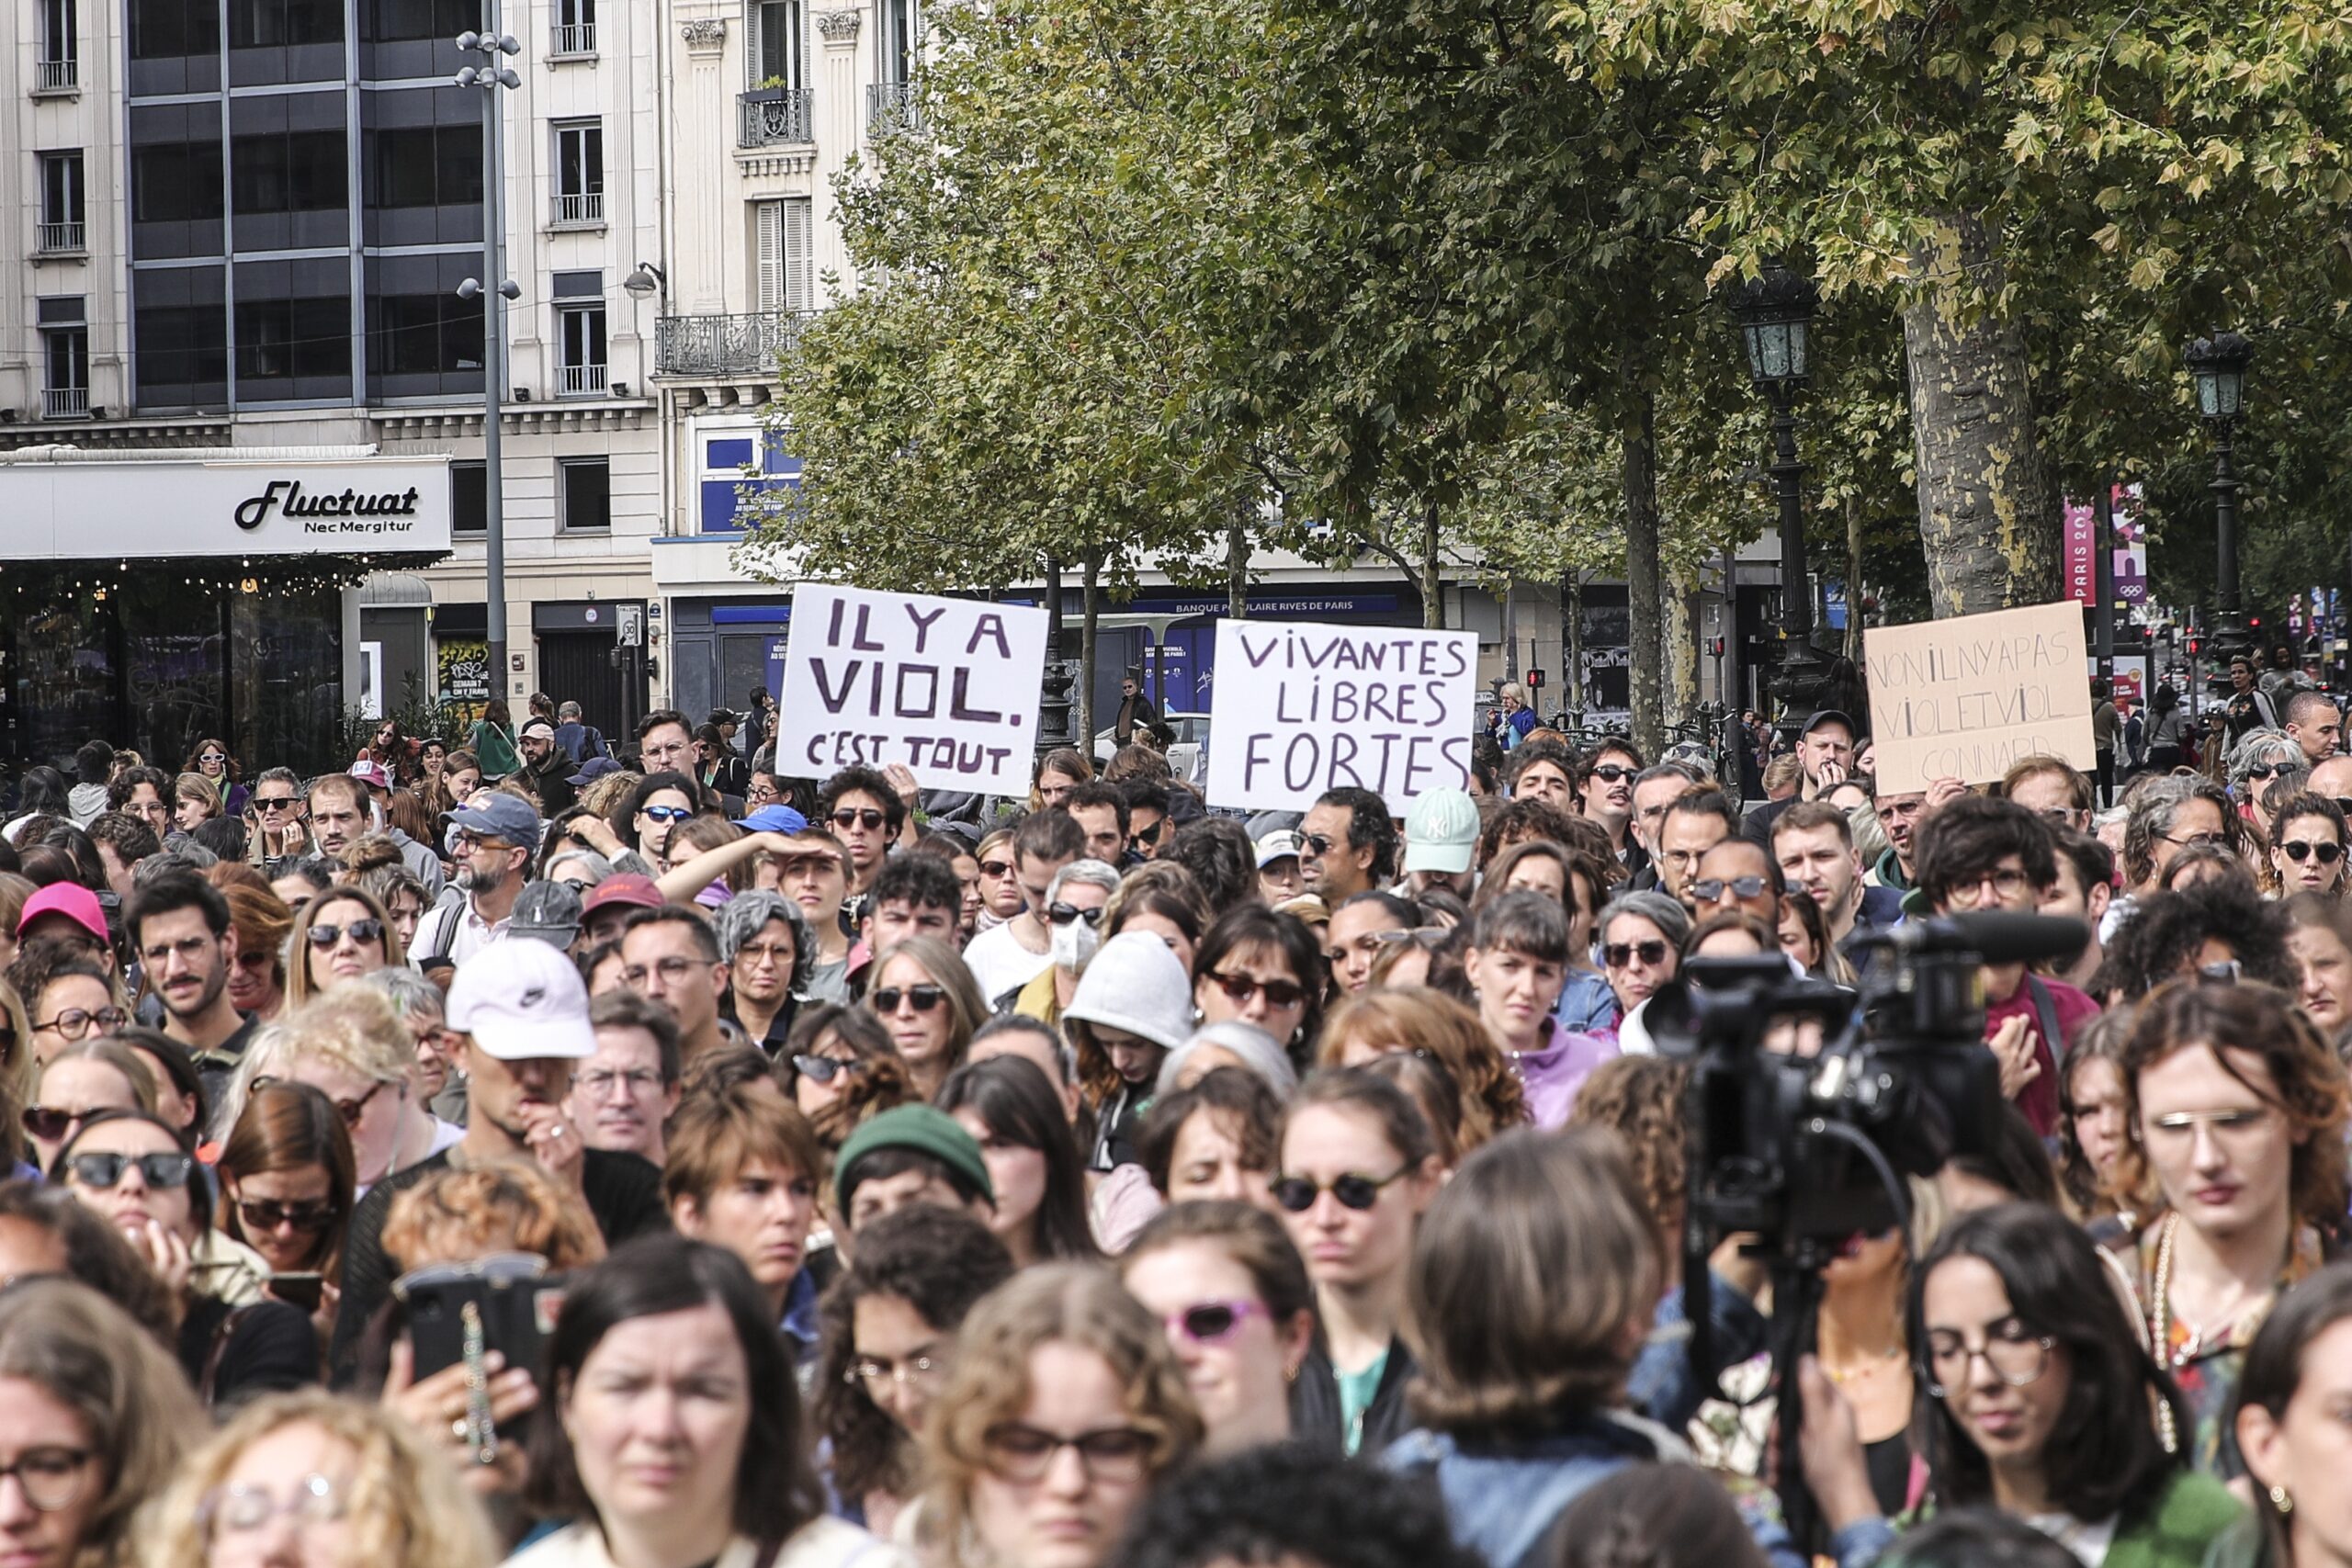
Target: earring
(2280, 1501)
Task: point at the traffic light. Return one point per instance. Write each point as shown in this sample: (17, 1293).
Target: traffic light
(1715, 648)
(2195, 643)
(1535, 679)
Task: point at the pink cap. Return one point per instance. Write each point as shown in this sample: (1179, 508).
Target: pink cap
(70, 899)
(373, 775)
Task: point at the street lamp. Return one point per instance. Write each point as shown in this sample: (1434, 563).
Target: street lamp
(647, 280)
(1775, 315)
(2218, 365)
(492, 75)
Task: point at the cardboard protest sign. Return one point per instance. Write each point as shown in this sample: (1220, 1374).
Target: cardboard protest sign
(947, 687)
(1966, 698)
(1298, 708)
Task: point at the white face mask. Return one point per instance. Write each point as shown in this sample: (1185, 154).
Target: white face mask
(1074, 944)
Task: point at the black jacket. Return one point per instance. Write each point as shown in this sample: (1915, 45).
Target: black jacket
(1315, 1404)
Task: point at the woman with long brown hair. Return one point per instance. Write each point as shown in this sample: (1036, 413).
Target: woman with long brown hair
(288, 1181)
(212, 759)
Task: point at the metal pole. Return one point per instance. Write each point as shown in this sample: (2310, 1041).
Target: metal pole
(2229, 623)
(2103, 552)
(494, 318)
(1800, 677)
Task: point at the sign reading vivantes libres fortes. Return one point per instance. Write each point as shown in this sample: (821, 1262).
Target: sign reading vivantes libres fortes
(949, 687)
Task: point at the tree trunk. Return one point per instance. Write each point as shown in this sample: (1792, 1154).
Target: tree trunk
(1572, 646)
(1433, 583)
(1511, 628)
(1988, 510)
(1086, 652)
(1854, 579)
(1637, 437)
(1237, 566)
(1678, 654)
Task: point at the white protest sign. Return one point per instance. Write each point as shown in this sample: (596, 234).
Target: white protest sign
(1299, 708)
(947, 687)
(1966, 698)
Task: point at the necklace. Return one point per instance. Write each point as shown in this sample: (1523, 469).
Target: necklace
(1871, 1362)
(2160, 1336)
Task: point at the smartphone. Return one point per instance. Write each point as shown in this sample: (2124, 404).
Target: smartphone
(515, 1303)
(305, 1291)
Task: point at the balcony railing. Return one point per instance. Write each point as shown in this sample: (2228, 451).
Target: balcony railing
(65, 402)
(56, 239)
(776, 115)
(890, 107)
(576, 37)
(579, 380)
(56, 75)
(585, 209)
(723, 345)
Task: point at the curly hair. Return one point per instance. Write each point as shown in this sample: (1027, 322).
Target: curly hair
(881, 1084)
(2299, 807)
(2171, 930)
(2154, 811)
(1412, 1019)
(2307, 1082)
(940, 1262)
(508, 1205)
(1639, 1101)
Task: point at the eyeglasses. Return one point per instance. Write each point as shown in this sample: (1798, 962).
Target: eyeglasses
(1611, 773)
(52, 1478)
(1062, 914)
(2199, 840)
(1239, 989)
(1214, 1323)
(2004, 882)
(758, 793)
(923, 999)
(1318, 844)
(667, 813)
(1298, 1194)
(868, 818)
(73, 1023)
(266, 1214)
(2015, 1353)
(824, 1069)
(2327, 851)
(50, 1123)
(757, 953)
(104, 1171)
(604, 1080)
(351, 1110)
(579, 885)
(2233, 1125)
(365, 929)
(1711, 890)
(1617, 954)
(673, 972)
(314, 1499)
(1020, 1453)
(920, 1370)
(998, 868)
(273, 802)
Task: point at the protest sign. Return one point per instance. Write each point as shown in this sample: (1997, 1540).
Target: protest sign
(1299, 708)
(1966, 698)
(949, 687)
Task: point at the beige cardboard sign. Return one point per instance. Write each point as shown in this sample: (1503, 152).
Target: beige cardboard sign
(1966, 698)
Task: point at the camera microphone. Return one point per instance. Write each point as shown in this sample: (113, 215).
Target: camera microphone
(1997, 936)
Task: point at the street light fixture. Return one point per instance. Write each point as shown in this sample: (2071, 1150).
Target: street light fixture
(647, 280)
(492, 75)
(2219, 364)
(1775, 314)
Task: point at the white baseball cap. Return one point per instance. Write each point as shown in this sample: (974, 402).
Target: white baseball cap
(522, 1000)
(1283, 845)
(1441, 831)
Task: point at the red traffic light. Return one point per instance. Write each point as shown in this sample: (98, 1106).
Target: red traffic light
(1535, 679)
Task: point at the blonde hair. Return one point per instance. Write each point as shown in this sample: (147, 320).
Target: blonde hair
(196, 787)
(1080, 1304)
(300, 987)
(405, 1506)
(508, 1205)
(355, 1027)
(1412, 1019)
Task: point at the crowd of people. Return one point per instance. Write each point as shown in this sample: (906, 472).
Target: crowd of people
(615, 1152)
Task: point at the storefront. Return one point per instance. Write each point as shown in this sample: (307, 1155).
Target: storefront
(158, 598)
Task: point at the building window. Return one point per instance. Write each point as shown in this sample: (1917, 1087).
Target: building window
(575, 26)
(778, 55)
(183, 353)
(784, 265)
(587, 491)
(897, 64)
(61, 227)
(176, 182)
(288, 171)
(400, 21)
(580, 172)
(424, 334)
(468, 498)
(66, 355)
(278, 24)
(428, 166)
(172, 30)
(580, 350)
(288, 340)
(58, 67)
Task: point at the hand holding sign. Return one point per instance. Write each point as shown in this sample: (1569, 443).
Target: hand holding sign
(947, 689)
(1966, 698)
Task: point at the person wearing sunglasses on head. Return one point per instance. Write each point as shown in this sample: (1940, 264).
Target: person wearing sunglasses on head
(926, 999)
(1233, 1295)
(2307, 843)
(288, 1187)
(1358, 1168)
(131, 1168)
(354, 1046)
(338, 938)
(1071, 916)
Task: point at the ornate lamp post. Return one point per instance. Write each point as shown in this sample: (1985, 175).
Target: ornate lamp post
(2219, 364)
(1775, 316)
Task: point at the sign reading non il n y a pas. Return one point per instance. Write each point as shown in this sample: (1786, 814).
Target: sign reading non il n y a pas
(949, 687)
(1298, 707)
(1966, 698)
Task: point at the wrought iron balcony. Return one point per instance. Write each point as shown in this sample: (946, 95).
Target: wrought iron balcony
(575, 38)
(890, 107)
(61, 239)
(723, 345)
(65, 402)
(56, 75)
(774, 116)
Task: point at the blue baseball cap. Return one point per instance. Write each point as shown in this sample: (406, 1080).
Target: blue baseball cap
(591, 769)
(500, 816)
(774, 819)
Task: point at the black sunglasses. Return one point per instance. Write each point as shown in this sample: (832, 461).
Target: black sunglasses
(1297, 1194)
(1611, 773)
(1239, 989)
(1063, 914)
(923, 997)
(869, 818)
(2325, 851)
(104, 1171)
(266, 1214)
(364, 930)
(1707, 892)
(1617, 955)
(823, 1069)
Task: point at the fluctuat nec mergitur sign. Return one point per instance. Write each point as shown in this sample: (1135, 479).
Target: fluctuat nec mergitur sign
(92, 509)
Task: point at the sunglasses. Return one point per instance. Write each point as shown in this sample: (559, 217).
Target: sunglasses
(50, 1123)
(825, 1069)
(868, 818)
(1319, 844)
(1611, 773)
(1213, 1323)
(2265, 771)
(105, 1172)
(1239, 989)
(667, 813)
(1063, 914)
(212, 756)
(923, 997)
(273, 802)
(266, 1214)
(2327, 853)
(996, 868)
(1707, 892)
(1617, 954)
(1297, 1194)
(366, 929)
(1142, 836)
